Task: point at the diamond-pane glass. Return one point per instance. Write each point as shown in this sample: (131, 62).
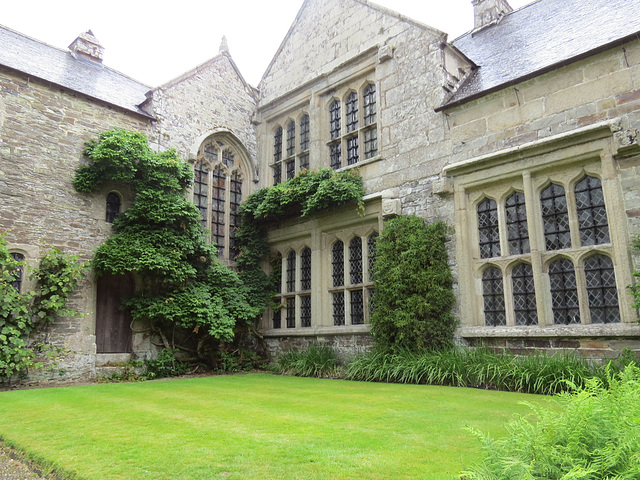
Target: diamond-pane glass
(305, 269)
(592, 214)
(371, 247)
(218, 209)
(291, 271)
(334, 119)
(357, 307)
(352, 112)
(524, 296)
(369, 104)
(355, 260)
(488, 229)
(234, 206)
(564, 292)
(338, 308)
(291, 312)
(337, 263)
(601, 289)
(304, 133)
(493, 297)
(555, 217)
(517, 230)
(305, 311)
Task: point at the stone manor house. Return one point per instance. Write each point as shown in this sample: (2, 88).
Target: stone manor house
(522, 135)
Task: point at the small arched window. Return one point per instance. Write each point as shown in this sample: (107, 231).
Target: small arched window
(555, 217)
(564, 292)
(493, 297)
(488, 229)
(524, 295)
(113, 206)
(18, 271)
(601, 289)
(592, 214)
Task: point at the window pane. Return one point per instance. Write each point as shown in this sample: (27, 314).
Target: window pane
(334, 119)
(488, 229)
(291, 138)
(564, 292)
(291, 271)
(357, 307)
(352, 112)
(369, 100)
(291, 312)
(592, 214)
(277, 173)
(352, 151)
(304, 162)
(227, 158)
(338, 308)
(234, 207)
(337, 263)
(355, 260)
(493, 296)
(305, 311)
(291, 169)
(524, 295)
(218, 209)
(371, 246)
(517, 230)
(305, 269)
(304, 133)
(370, 143)
(18, 271)
(200, 190)
(113, 207)
(277, 319)
(555, 217)
(335, 155)
(277, 145)
(210, 152)
(601, 289)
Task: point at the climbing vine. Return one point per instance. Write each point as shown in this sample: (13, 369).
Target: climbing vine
(21, 313)
(413, 287)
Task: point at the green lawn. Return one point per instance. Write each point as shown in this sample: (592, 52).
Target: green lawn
(255, 426)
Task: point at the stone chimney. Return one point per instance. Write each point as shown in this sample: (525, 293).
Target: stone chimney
(489, 12)
(87, 47)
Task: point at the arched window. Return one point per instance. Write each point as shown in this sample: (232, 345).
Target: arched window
(488, 228)
(517, 230)
(305, 269)
(352, 112)
(601, 289)
(493, 297)
(564, 292)
(217, 192)
(18, 271)
(592, 214)
(371, 250)
(555, 217)
(355, 260)
(291, 271)
(524, 295)
(277, 156)
(113, 206)
(337, 263)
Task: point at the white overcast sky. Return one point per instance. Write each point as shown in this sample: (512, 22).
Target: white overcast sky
(154, 41)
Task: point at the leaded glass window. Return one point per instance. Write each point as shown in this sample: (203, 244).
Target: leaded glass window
(17, 271)
(234, 207)
(277, 145)
(291, 312)
(337, 263)
(488, 230)
(305, 311)
(113, 207)
(357, 307)
(228, 158)
(369, 104)
(564, 292)
(355, 260)
(305, 269)
(218, 209)
(601, 289)
(291, 271)
(291, 138)
(277, 173)
(201, 190)
(352, 150)
(517, 230)
(592, 214)
(210, 153)
(371, 247)
(335, 155)
(304, 161)
(524, 295)
(352, 112)
(334, 119)
(555, 217)
(277, 319)
(338, 308)
(370, 143)
(291, 169)
(304, 133)
(493, 297)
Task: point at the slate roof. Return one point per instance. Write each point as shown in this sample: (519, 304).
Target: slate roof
(541, 37)
(57, 66)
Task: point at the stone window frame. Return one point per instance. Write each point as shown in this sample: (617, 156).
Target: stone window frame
(294, 294)
(353, 141)
(535, 183)
(290, 151)
(234, 176)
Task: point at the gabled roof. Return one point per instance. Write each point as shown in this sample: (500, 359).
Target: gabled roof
(37, 59)
(542, 37)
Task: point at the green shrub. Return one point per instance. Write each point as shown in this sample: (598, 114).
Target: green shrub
(165, 365)
(413, 287)
(592, 434)
(315, 361)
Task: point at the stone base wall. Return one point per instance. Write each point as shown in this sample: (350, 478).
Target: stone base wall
(345, 344)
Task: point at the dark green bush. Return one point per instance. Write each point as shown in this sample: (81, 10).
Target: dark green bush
(592, 434)
(413, 295)
(315, 361)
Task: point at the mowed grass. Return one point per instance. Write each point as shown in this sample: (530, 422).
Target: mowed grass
(255, 426)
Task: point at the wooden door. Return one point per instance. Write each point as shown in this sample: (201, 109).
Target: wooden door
(113, 325)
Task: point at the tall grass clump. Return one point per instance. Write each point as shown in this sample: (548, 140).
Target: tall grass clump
(593, 434)
(481, 368)
(315, 361)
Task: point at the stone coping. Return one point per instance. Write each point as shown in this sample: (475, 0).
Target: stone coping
(315, 331)
(556, 331)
